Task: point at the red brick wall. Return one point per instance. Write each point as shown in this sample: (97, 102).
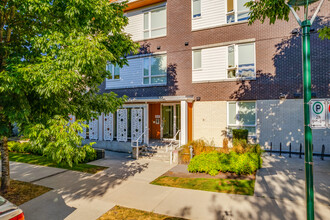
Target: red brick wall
(278, 59)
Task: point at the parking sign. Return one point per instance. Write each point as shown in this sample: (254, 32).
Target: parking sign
(318, 113)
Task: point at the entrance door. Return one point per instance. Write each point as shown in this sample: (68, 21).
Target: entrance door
(168, 121)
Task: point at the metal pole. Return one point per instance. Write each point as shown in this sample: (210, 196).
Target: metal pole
(308, 131)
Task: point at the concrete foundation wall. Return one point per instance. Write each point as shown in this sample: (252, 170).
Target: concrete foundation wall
(111, 145)
(210, 121)
(283, 122)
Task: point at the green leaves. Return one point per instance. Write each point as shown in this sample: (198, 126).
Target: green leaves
(52, 63)
(268, 9)
(59, 140)
(324, 33)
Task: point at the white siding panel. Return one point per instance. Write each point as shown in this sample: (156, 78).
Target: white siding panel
(130, 76)
(213, 65)
(213, 14)
(135, 25)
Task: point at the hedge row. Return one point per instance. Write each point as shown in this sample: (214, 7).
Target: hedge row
(215, 162)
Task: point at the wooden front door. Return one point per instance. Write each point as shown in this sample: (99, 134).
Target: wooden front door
(154, 121)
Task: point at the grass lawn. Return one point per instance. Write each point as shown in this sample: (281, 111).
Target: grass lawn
(243, 187)
(119, 212)
(44, 161)
(21, 192)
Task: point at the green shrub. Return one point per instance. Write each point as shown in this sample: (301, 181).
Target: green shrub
(206, 163)
(212, 163)
(24, 147)
(240, 134)
(90, 153)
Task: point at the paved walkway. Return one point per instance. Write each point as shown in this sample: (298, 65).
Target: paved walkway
(279, 192)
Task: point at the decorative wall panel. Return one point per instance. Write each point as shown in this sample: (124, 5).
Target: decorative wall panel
(108, 127)
(122, 125)
(93, 129)
(136, 124)
(83, 133)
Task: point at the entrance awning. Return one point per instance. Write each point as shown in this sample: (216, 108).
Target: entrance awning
(160, 99)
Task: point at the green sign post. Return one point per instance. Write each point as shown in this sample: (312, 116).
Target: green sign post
(305, 26)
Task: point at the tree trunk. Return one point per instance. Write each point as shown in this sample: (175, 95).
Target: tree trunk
(5, 177)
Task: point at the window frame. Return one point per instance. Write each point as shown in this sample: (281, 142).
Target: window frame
(193, 60)
(192, 10)
(149, 76)
(238, 125)
(236, 67)
(112, 71)
(149, 30)
(234, 12)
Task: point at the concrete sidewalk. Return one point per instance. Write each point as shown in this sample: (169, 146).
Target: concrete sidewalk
(278, 194)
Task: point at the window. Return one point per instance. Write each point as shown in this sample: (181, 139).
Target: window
(155, 70)
(154, 23)
(242, 115)
(236, 11)
(114, 70)
(197, 59)
(241, 61)
(196, 8)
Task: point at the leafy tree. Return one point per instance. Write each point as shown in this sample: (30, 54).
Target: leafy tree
(275, 10)
(52, 60)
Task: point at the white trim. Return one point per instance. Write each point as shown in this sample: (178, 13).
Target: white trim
(193, 60)
(237, 121)
(238, 79)
(146, 124)
(149, 30)
(149, 74)
(251, 40)
(146, 55)
(184, 122)
(218, 25)
(236, 51)
(235, 12)
(192, 10)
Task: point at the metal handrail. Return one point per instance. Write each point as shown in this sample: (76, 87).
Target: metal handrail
(171, 145)
(137, 142)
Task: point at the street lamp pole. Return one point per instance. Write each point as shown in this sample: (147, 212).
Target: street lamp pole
(307, 84)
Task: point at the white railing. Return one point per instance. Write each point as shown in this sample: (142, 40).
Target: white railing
(137, 142)
(171, 145)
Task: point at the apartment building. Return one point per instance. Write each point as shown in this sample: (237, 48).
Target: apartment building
(202, 71)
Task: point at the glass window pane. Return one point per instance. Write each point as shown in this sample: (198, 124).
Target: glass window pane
(231, 73)
(109, 69)
(243, 16)
(146, 80)
(146, 34)
(158, 32)
(232, 113)
(230, 5)
(247, 113)
(156, 80)
(252, 130)
(146, 21)
(158, 65)
(146, 66)
(196, 8)
(230, 18)
(116, 72)
(231, 56)
(240, 5)
(197, 56)
(158, 18)
(246, 60)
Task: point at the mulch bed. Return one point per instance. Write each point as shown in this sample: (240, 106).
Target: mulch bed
(181, 170)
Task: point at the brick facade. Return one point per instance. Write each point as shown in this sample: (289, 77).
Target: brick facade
(278, 59)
